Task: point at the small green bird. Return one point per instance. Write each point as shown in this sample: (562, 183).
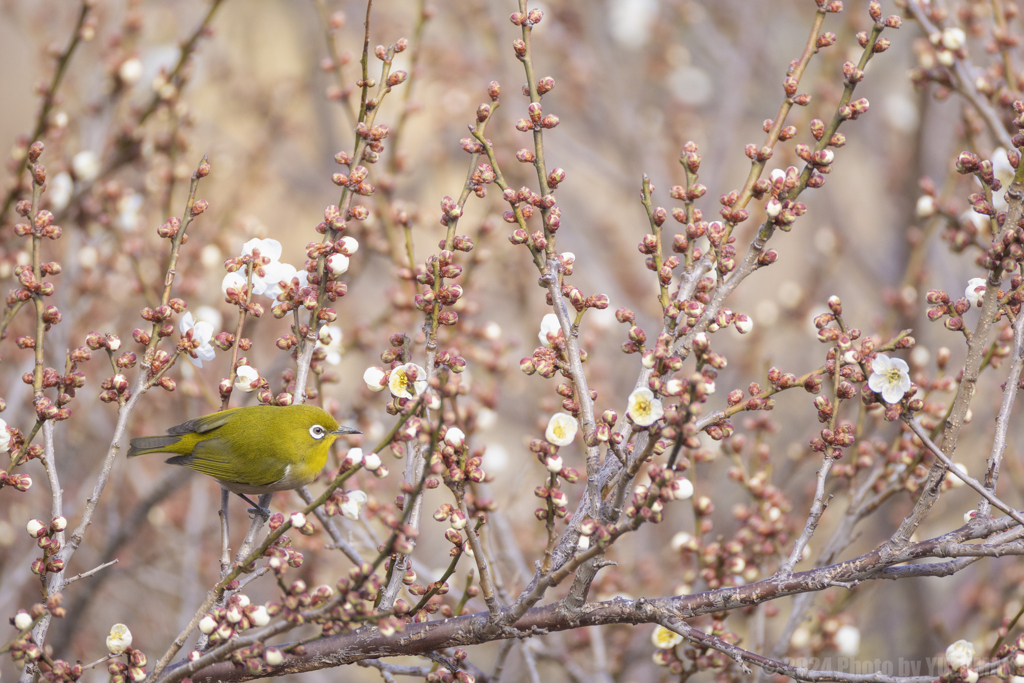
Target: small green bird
(255, 449)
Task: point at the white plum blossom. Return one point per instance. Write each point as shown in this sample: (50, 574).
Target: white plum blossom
(211, 256)
(85, 165)
(925, 206)
(235, 280)
(119, 640)
(130, 71)
(371, 461)
(355, 456)
(35, 528)
(665, 639)
(128, 208)
(583, 543)
(975, 290)
(268, 248)
(260, 616)
(1003, 172)
(202, 332)
(682, 540)
(337, 264)
(681, 488)
(59, 191)
(433, 401)
(743, 323)
(210, 315)
(350, 508)
(247, 378)
(274, 656)
(274, 272)
(330, 338)
(643, 408)
(548, 325)
(953, 38)
(955, 481)
(562, 428)
(22, 620)
(297, 519)
(347, 245)
(5, 437)
(960, 653)
(847, 640)
(407, 381)
(88, 257)
(554, 465)
(455, 437)
(207, 624)
(890, 377)
(373, 378)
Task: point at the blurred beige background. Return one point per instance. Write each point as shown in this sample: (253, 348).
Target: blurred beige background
(635, 79)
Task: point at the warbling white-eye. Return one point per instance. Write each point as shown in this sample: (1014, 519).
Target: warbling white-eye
(256, 449)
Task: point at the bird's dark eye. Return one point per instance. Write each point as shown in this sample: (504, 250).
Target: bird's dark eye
(316, 431)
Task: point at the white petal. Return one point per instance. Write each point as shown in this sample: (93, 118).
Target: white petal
(548, 325)
(235, 280)
(203, 331)
(187, 322)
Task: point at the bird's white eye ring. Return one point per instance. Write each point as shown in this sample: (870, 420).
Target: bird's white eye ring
(317, 432)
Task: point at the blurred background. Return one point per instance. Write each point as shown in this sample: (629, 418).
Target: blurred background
(635, 80)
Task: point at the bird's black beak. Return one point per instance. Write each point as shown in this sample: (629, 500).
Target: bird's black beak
(342, 431)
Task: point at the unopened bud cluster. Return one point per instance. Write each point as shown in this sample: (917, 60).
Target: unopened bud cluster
(48, 538)
(238, 614)
(24, 651)
(66, 384)
(524, 202)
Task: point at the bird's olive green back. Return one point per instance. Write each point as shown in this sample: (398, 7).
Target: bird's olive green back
(255, 445)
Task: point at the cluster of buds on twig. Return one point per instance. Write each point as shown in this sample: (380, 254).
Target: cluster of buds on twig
(20, 482)
(257, 659)
(114, 388)
(356, 594)
(557, 501)
(454, 535)
(561, 431)
(30, 286)
(781, 211)
(453, 461)
(525, 201)
(42, 224)
(370, 462)
(24, 651)
(238, 614)
(66, 384)
(430, 605)
(133, 670)
(47, 540)
(444, 675)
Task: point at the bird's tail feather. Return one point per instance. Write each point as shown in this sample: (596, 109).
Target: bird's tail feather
(151, 444)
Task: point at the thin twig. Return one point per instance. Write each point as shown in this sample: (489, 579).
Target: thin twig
(915, 426)
(92, 571)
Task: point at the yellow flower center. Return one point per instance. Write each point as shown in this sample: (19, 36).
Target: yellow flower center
(892, 376)
(642, 406)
